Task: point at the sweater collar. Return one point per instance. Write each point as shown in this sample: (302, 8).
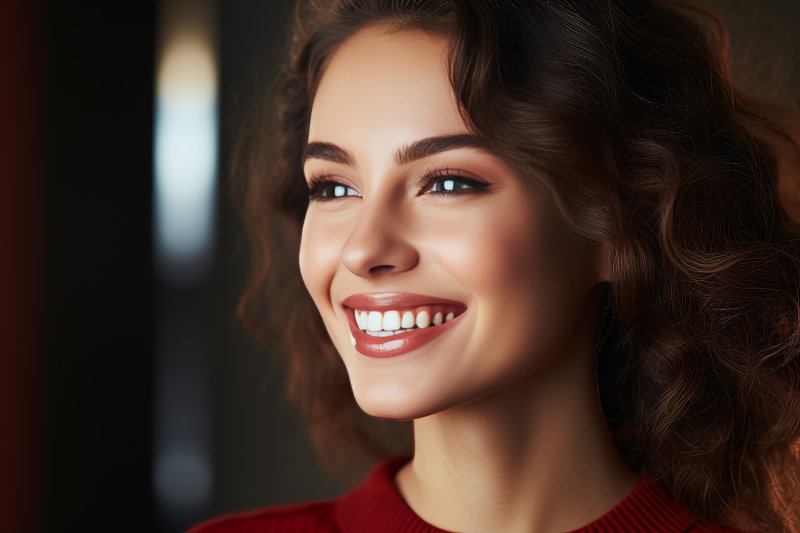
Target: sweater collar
(377, 505)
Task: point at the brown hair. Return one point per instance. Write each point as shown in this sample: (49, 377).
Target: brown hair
(627, 111)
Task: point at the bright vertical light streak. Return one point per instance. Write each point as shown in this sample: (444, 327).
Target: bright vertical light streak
(185, 167)
(185, 157)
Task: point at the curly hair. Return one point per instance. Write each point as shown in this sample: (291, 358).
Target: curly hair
(627, 112)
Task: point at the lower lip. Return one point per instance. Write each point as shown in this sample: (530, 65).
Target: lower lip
(394, 345)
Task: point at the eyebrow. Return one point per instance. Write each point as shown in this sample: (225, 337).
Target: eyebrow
(403, 156)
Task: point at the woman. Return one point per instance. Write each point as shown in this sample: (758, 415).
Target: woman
(552, 234)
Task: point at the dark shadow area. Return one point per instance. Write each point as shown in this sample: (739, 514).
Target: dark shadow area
(98, 91)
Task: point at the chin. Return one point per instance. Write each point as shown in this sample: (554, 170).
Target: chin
(401, 401)
(393, 402)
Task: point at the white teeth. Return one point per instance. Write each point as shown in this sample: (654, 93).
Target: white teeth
(374, 321)
(423, 319)
(391, 321)
(352, 339)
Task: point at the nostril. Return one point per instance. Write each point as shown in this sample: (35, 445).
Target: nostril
(379, 268)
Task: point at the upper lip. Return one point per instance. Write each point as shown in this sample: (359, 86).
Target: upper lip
(376, 301)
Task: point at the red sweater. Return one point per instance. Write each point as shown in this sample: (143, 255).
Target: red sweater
(377, 506)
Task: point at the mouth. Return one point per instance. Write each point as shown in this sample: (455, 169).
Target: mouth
(391, 324)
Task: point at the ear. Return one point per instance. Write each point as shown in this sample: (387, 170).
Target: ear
(603, 261)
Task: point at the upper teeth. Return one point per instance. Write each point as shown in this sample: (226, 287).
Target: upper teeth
(398, 321)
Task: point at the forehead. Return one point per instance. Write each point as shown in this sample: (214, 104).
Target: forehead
(386, 86)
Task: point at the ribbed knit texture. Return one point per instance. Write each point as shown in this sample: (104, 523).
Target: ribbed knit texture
(377, 506)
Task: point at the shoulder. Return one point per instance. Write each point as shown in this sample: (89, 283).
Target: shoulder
(306, 516)
(375, 505)
(649, 507)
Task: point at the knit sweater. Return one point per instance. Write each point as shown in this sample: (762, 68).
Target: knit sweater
(377, 506)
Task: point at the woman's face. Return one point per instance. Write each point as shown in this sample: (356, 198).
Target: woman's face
(410, 218)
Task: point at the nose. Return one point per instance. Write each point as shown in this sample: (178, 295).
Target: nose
(378, 244)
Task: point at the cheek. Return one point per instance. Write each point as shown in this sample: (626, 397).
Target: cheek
(320, 252)
(523, 269)
(499, 253)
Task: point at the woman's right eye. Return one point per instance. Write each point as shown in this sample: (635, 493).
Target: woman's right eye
(324, 190)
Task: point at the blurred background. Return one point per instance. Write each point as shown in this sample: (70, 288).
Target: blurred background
(130, 397)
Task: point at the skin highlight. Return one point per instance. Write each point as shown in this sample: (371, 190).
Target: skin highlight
(532, 289)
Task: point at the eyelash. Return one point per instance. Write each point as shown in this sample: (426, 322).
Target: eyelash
(319, 184)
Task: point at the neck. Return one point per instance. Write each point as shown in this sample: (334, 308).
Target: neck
(534, 456)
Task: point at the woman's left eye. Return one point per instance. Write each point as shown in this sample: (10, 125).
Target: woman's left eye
(448, 184)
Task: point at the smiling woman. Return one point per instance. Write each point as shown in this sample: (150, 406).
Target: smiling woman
(549, 234)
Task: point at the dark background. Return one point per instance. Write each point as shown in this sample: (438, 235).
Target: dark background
(78, 296)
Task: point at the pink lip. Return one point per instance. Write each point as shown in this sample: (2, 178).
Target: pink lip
(382, 347)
